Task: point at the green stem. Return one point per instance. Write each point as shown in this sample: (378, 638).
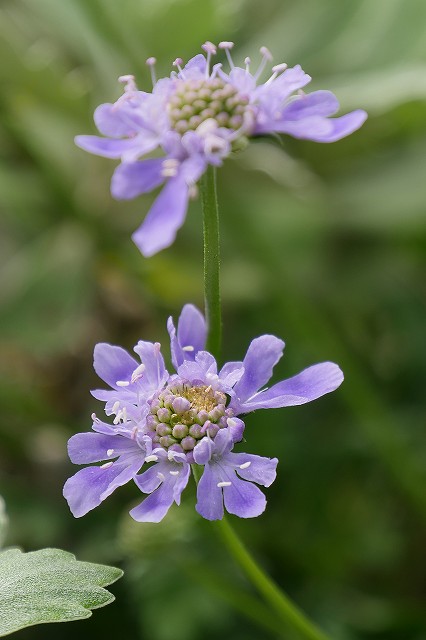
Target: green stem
(286, 610)
(211, 260)
(289, 613)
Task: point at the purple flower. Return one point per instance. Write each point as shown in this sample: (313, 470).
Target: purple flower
(197, 117)
(172, 421)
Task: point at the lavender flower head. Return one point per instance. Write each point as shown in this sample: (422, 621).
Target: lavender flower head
(168, 422)
(197, 117)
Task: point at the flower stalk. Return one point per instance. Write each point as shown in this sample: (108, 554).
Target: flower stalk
(211, 261)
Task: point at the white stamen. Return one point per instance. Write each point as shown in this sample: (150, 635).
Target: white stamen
(161, 476)
(231, 422)
(95, 418)
(115, 406)
(223, 484)
(227, 46)
(110, 452)
(151, 64)
(210, 49)
(208, 389)
(178, 63)
(137, 373)
(129, 83)
(189, 347)
(266, 57)
(279, 68)
(122, 383)
(174, 473)
(245, 465)
(247, 62)
(171, 455)
(151, 458)
(106, 465)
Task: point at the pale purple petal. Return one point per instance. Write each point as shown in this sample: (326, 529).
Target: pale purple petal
(113, 364)
(317, 103)
(165, 481)
(203, 451)
(239, 78)
(90, 486)
(260, 470)
(236, 426)
(154, 375)
(165, 217)
(131, 179)
(310, 384)
(204, 368)
(89, 447)
(106, 147)
(244, 499)
(190, 336)
(209, 496)
(195, 68)
(155, 506)
(320, 129)
(230, 373)
(262, 355)
(116, 120)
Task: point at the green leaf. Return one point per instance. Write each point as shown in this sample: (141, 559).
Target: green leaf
(50, 585)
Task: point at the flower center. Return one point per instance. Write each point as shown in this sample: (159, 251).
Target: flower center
(182, 414)
(195, 101)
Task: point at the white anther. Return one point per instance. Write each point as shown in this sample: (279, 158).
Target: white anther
(245, 465)
(189, 347)
(124, 414)
(231, 422)
(280, 67)
(223, 484)
(266, 57)
(115, 406)
(208, 389)
(137, 373)
(209, 48)
(110, 452)
(170, 167)
(266, 53)
(95, 418)
(161, 476)
(225, 45)
(107, 465)
(174, 473)
(151, 458)
(122, 383)
(171, 455)
(129, 83)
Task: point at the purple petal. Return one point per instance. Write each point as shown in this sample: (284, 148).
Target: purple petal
(317, 103)
(236, 427)
(94, 447)
(106, 147)
(262, 355)
(230, 373)
(244, 499)
(195, 67)
(310, 384)
(190, 336)
(320, 129)
(209, 496)
(155, 507)
(165, 217)
(204, 368)
(113, 364)
(261, 470)
(154, 375)
(90, 486)
(243, 81)
(203, 451)
(113, 120)
(131, 179)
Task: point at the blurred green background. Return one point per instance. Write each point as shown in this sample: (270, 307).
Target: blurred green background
(323, 245)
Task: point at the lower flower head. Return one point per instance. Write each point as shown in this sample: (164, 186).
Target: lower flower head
(170, 421)
(197, 117)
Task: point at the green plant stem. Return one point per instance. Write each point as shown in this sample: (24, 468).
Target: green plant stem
(288, 612)
(211, 260)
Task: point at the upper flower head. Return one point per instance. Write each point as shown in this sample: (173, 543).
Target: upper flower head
(197, 117)
(191, 416)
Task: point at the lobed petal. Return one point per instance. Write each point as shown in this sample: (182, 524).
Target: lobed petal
(165, 217)
(244, 499)
(260, 470)
(191, 332)
(106, 147)
(209, 495)
(89, 447)
(310, 384)
(154, 375)
(113, 364)
(261, 357)
(131, 179)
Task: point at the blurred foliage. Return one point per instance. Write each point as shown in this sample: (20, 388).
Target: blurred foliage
(323, 245)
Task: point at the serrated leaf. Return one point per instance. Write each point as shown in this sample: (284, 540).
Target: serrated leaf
(50, 585)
